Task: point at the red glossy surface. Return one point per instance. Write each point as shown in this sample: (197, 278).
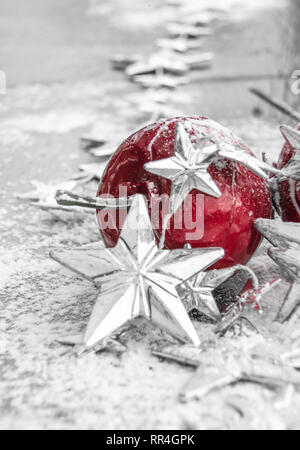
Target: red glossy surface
(289, 191)
(228, 221)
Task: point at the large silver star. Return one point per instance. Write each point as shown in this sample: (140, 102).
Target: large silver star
(187, 169)
(137, 279)
(199, 293)
(292, 137)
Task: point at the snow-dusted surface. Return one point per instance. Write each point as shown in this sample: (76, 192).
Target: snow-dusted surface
(43, 384)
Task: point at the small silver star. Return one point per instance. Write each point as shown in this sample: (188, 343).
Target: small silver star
(137, 279)
(44, 195)
(177, 29)
(199, 61)
(221, 368)
(163, 63)
(90, 142)
(187, 169)
(180, 44)
(199, 293)
(160, 80)
(292, 168)
(121, 62)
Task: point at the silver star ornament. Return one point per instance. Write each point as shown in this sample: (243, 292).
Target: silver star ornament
(188, 167)
(137, 279)
(205, 292)
(292, 137)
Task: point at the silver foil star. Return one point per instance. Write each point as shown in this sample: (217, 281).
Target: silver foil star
(180, 44)
(90, 172)
(160, 80)
(289, 262)
(44, 195)
(121, 62)
(218, 370)
(163, 63)
(177, 29)
(187, 169)
(292, 168)
(201, 293)
(137, 279)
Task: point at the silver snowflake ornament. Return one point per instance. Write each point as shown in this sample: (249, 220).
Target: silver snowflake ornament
(137, 279)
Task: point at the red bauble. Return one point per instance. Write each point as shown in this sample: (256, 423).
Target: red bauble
(288, 191)
(228, 221)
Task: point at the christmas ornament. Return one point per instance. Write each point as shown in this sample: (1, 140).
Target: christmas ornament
(164, 63)
(89, 142)
(190, 31)
(244, 197)
(180, 44)
(206, 292)
(289, 262)
(290, 304)
(200, 61)
(121, 62)
(137, 279)
(160, 80)
(90, 172)
(106, 150)
(279, 234)
(217, 371)
(245, 309)
(287, 190)
(201, 19)
(44, 195)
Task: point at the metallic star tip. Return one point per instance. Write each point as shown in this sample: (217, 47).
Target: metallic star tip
(291, 135)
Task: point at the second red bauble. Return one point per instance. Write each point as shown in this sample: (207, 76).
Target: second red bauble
(228, 220)
(288, 200)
